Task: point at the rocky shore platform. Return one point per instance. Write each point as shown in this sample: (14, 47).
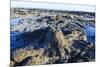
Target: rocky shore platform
(51, 37)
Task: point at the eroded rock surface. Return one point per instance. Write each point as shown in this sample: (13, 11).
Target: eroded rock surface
(58, 38)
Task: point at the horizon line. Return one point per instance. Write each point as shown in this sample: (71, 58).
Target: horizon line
(55, 6)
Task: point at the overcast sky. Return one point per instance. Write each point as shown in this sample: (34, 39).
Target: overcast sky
(26, 4)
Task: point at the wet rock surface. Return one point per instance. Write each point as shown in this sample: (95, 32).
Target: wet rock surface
(58, 38)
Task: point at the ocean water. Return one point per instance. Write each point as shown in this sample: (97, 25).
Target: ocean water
(90, 33)
(89, 30)
(15, 21)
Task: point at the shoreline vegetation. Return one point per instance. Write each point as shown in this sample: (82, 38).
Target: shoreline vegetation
(44, 36)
